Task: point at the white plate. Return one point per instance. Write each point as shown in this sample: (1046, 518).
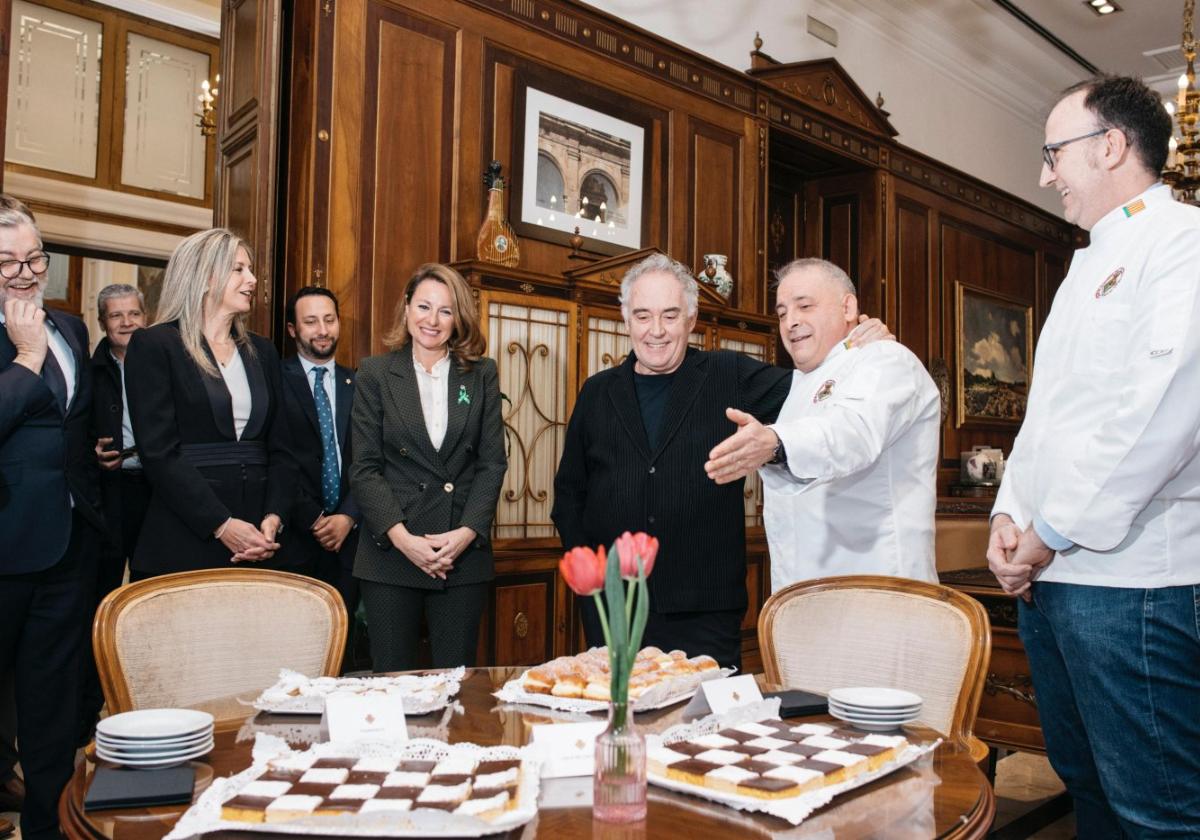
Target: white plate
(875, 727)
(155, 724)
(870, 713)
(150, 760)
(134, 750)
(875, 698)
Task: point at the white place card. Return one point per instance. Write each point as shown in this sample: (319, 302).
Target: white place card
(353, 717)
(566, 749)
(731, 692)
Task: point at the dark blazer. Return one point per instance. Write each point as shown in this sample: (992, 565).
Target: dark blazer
(397, 475)
(609, 481)
(108, 409)
(172, 403)
(307, 449)
(36, 442)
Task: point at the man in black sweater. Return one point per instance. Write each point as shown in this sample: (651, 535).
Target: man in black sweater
(634, 459)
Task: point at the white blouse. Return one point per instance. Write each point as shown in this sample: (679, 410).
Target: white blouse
(238, 386)
(433, 387)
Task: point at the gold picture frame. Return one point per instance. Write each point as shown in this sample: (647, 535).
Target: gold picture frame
(993, 343)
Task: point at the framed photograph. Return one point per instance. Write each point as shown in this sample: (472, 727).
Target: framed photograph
(995, 356)
(579, 162)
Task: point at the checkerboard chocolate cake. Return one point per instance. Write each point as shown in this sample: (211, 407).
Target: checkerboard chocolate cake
(303, 785)
(773, 759)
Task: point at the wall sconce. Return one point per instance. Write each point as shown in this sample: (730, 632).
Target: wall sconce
(206, 118)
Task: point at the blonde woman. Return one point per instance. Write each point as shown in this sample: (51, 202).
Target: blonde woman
(429, 462)
(204, 399)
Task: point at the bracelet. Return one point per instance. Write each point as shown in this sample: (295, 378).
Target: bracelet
(221, 530)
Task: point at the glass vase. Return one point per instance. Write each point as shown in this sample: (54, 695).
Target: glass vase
(619, 780)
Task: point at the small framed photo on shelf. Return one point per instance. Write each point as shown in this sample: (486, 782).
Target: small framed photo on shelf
(581, 159)
(994, 344)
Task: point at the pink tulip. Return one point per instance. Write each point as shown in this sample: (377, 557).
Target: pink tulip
(632, 546)
(583, 569)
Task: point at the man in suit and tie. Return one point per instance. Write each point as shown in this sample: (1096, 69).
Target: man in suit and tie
(317, 395)
(49, 515)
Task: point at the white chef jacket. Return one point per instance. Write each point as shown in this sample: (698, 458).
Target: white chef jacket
(859, 490)
(1108, 458)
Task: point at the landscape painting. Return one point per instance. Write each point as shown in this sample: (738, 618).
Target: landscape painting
(995, 353)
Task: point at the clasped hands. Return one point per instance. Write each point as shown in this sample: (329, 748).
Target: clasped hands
(1016, 557)
(250, 544)
(434, 554)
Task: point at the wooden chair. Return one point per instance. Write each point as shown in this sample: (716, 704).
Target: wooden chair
(185, 639)
(868, 630)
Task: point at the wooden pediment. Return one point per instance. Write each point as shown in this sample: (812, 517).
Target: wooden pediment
(824, 86)
(609, 271)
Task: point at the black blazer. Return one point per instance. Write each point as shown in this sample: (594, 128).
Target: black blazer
(36, 442)
(307, 449)
(397, 475)
(172, 403)
(609, 481)
(108, 410)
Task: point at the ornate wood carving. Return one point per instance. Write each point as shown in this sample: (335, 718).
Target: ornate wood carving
(824, 86)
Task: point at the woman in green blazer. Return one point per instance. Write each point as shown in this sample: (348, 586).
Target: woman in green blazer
(429, 461)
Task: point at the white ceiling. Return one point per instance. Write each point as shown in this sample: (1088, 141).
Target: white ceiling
(1118, 43)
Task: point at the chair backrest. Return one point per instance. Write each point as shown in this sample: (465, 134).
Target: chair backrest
(868, 630)
(183, 639)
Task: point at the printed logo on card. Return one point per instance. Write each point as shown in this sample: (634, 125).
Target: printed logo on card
(824, 391)
(1110, 282)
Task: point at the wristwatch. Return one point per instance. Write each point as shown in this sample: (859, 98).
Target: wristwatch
(779, 456)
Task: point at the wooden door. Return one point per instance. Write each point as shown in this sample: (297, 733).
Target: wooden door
(248, 132)
(842, 223)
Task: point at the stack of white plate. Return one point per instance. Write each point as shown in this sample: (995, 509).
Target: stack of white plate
(874, 709)
(154, 738)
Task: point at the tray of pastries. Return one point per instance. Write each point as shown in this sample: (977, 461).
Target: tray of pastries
(418, 788)
(297, 694)
(770, 765)
(580, 683)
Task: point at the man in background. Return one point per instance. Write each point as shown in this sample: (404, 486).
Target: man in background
(318, 394)
(123, 487)
(850, 467)
(1097, 521)
(49, 515)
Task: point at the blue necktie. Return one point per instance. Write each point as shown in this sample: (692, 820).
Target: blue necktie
(331, 477)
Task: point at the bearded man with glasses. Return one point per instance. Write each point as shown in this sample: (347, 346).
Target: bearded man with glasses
(49, 515)
(1097, 521)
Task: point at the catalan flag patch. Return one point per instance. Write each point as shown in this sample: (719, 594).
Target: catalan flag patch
(1134, 207)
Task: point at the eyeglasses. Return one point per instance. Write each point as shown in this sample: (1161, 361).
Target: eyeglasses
(12, 268)
(1050, 148)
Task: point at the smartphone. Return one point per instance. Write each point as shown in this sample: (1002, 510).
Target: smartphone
(128, 452)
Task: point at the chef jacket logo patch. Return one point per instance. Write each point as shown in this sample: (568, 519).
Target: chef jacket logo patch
(1110, 282)
(824, 391)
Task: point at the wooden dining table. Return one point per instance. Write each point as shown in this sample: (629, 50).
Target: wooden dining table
(941, 795)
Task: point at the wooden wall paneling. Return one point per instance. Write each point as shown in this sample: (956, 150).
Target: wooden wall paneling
(714, 188)
(916, 318)
(470, 196)
(843, 226)
(248, 138)
(6, 34)
(408, 144)
(303, 251)
(1053, 272)
(522, 619)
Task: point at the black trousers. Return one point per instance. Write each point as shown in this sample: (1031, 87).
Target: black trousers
(110, 572)
(44, 619)
(717, 633)
(394, 616)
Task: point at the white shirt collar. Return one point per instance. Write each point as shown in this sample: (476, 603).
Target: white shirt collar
(308, 365)
(439, 367)
(1156, 194)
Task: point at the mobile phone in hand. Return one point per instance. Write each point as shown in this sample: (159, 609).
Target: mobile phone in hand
(128, 452)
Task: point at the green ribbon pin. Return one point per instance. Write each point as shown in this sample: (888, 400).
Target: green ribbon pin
(463, 396)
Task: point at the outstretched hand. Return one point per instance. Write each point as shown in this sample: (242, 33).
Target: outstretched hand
(743, 452)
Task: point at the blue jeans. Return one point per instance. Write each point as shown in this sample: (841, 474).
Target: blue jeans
(1117, 677)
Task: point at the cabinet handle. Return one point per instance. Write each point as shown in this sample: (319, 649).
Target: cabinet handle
(521, 625)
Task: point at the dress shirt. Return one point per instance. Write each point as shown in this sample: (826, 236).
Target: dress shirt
(330, 384)
(238, 385)
(132, 463)
(858, 492)
(1107, 463)
(433, 386)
